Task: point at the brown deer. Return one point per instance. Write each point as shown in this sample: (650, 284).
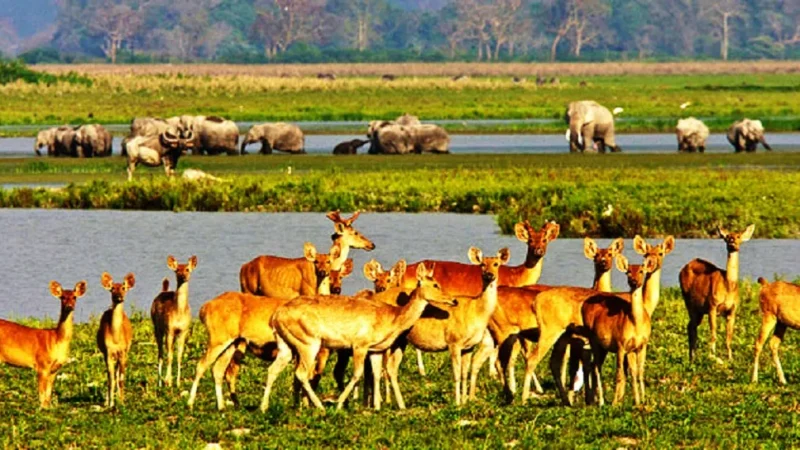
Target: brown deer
(616, 324)
(780, 308)
(115, 335)
(305, 325)
(44, 351)
(236, 322)
(458, 329)
(559, 309)
(172, 317)
(707, 289)
(273, 276)
(337, 277)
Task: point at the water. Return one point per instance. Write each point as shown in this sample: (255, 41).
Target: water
(68, 246)
(494, 144)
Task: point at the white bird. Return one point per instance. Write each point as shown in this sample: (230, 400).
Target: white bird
(289, 170)
(196, 175)
(617, 110)
(685, 105)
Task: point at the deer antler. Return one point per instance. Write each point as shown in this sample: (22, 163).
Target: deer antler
(352, 218)
(334, 216)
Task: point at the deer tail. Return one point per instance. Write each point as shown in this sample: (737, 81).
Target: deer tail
(165, 285)
(762, 281)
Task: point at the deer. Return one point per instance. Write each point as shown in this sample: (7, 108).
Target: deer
(273, 276)
(621, 325)
(779, 303)
(115, 334)
(304, 325)
(172, 317)
(238, 321)
(559, 309)
(458, 329)
(43, 350)
(708, 289)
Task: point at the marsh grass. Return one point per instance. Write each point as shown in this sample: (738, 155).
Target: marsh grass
(705, 405)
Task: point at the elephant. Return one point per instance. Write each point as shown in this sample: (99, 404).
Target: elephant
(46, 138)
(590, 121)
(148, 126)
(212, 135)
(746, 134)
(163, 149)
(692, 134)
(280, 136)
(392, 139)
(429, 138)
(64, 141)
(349, 147)
(92, 140)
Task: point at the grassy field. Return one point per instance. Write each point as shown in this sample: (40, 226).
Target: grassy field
(705, 405)
(650, 95)
(684, 195)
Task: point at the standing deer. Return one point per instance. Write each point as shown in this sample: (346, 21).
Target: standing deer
(707, 289)
(115, 335)
(172, 317)
(616, 324)
(236, 322)
(305, 325)
(44, 351)
(780, 308)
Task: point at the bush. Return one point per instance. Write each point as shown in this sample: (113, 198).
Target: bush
(16, 70)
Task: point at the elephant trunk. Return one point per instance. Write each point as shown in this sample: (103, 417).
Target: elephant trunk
(763, 141)
(36, 146)
(575, 137)
(242, 151)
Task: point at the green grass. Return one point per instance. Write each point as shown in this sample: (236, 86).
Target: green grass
(650, 102)
(594, 195)
(700, 406)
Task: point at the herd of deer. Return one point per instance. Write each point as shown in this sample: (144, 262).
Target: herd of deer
(291, 309)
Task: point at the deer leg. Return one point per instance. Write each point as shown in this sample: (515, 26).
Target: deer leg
(170, 346)
(181, 342)
(394, 358)
(282, 359)
(212, 354)
(466, 364)
(306, 364)
(527, 347)
(712, 319)
(729, 324)
(484, 352)
(494, 364)
(122, 365)
(455, 358)
(558, 367)
(111, 381)
(633, 365)
(359, 355)
(160, 345)
(590, 386)
(546, 340)
(774, 344)
(219, 370)
(642, 356)
(507, 353)
(420, 363)
(322, 361)
(376, 361)
(768, 322)
(691, 332)
(232, 372)
(340, 369)
(619, 389)
(599, 355)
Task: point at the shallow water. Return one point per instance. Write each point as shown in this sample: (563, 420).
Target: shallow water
(68, 246)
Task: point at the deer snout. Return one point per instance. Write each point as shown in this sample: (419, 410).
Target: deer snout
(336, 290)
(488, 277)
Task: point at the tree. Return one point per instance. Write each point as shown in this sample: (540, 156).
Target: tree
(115, 23)
(280, 23)
(719, 13)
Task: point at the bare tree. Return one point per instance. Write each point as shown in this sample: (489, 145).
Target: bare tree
(588, 17)
(281, 23)
(719, 13)
(115, 22)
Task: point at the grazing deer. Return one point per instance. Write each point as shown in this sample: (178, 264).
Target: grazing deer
(172, 317)
(305, 325)
(780, 308)
(707, 289)
(273, 276)
(616, 324)
(115, 335)
(458, 329)
(44, 351)
(236, 322)
(559, 309)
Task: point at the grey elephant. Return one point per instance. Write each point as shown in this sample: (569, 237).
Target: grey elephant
(429, 138)
(64, 141)
(392, 139)
(745, 135)
(692, 135)
(214, 135)
(46, 138)
(148, 126)
(280, 136)
(91, 141)
(590, 122)
(349, 147)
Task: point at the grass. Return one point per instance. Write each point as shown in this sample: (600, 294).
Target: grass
(650, 101)
(705, 405)
(612, 195)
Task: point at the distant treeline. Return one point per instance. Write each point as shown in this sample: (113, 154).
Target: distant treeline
(305, 31)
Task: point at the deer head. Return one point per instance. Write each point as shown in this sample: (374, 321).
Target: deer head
(637, 273)
(382, 280)
(734, 240)
(68, 298)
(657, 252)
(490, 266)
(346, 235)
(537, 240)
(603, 258)
(322, 262)
(182, 271)
(338, 276)
(429, 289)
(118, 290)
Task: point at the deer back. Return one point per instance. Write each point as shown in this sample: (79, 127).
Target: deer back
(274, 276)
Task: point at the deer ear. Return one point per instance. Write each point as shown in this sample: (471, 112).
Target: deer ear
(589, 248)
(55, 289)
(504, 254)
(475, 255)
(192, 263)
(335, 252)
(748, 233)
(723, 233)
(309, 251)
(521, 231)
(371, 270)
(333, 215)
(339, 227)
(106, 281)
(130, 280)
(348, 267)
(669, 244)
(80, 289)
(399, 270)
(172, 263)
(622, 263)
(639, 245)
(552, 230)
(617, 246)
(422, 271)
